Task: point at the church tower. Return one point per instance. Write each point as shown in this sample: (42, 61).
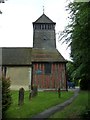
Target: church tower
(48, 65)
(44, 33)
(42, 66)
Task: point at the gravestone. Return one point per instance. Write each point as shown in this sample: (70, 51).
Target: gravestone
(34, 91)
(59, 92)
(30, 92)
(21, 96)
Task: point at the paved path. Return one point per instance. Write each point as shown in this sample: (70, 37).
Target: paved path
(48, 112)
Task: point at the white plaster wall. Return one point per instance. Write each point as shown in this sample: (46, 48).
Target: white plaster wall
(20, 77)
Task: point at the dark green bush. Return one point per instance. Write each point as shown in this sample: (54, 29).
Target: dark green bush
(6, 95)
(84, 84)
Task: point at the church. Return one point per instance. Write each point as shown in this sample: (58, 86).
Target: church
(42, 65)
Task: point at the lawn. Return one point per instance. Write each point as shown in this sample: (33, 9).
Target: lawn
(37, 104)
(75, 109)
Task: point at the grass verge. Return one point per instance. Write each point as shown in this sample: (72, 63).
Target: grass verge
(76, 108)
(36, 105)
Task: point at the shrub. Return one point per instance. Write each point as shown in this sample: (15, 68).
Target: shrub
(6, 96)
(84, 84)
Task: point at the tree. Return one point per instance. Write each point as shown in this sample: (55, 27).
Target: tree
(6, 95)
(70, 70)
(71, 73)
(77, 33)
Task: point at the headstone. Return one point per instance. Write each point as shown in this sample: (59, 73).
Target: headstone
(34, 91)
(30, 92)
(59, 92)
(21, 96)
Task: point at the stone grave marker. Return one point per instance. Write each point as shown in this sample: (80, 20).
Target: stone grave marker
(59, 92)
(30, 92)
(21, 96)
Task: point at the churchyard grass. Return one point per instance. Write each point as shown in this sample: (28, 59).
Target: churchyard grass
(36, 105)
(76, 109)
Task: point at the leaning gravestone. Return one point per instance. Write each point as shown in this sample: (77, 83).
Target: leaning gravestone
(21, 96)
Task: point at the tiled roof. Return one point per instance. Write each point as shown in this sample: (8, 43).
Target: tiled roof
(44, 19)
(44, 55)
(25, 56)
(16, 56)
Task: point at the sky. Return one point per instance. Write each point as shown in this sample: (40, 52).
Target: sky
(16, 28)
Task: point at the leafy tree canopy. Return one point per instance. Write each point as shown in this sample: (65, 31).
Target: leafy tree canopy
(77, 33)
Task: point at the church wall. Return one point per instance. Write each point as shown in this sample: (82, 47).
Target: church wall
(55, 79)
(19, 76)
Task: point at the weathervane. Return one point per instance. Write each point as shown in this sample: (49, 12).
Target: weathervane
(43, 9)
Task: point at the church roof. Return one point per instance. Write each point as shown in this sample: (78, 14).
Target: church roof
(44, 55)
(44, 19)
(12, 56)
(21, 56)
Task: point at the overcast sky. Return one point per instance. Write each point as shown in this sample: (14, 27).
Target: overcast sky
(16, 28)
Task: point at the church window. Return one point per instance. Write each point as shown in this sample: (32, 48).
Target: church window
(47, 68)
(48, 26)
(42, 26)
(38, 26)
(45, 26)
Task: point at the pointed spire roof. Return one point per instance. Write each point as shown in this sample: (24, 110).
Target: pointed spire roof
(44, 19)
